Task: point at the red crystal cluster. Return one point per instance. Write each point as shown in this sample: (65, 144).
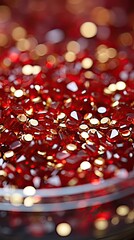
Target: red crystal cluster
(66, 118)
(54, 122)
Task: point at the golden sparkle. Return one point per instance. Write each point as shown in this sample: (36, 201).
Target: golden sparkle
(41, 50)
(1, 127)
(18, 93)
(122, 210)
(115, 104)
(89, 74)
(70, 56)
(33, 122)
(130, 217)
(36, 69)
(37, 87)
(50, 164)
(107, 91)
(98, 173)
(88, 29)
(94, 121)
(112, 52)
(49, 101)
(126, 133)
(50, 158)
(71, 147)
(101, 224)
(29, 111)
(28, 201)
(18, 33)
(87, 84)
(113, 122)
(29, 191)
(90, 142)
(115, 220)
(63, 229)
(85, 165)
(112, 87)
(3, 173)
(83, 127)
(103, 53)
(16, 199)
(62, 125)
(100, 152)
(41, 153)
(87, 116)
(73, 46)
(87, 63)
(28, 137)
(73, 182)
(53, 131)
(93, 130)
(99, 161)
(23, 44)
(52, 59)
(22, 117)
(103, 57)
(120, 85)
(36, 100)
(101, 148)
(27, 69)
(84, 135)
(8, 154)
(12, 89)
(59, 166)
(61, 116)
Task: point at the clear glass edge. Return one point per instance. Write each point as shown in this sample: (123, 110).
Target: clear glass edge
(69, 190)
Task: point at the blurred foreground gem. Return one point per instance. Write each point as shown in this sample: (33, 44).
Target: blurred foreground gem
(122, 210)
(63, 229)
(101, 224)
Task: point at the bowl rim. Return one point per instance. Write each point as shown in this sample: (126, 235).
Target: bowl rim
(69, 190)
(67, 198)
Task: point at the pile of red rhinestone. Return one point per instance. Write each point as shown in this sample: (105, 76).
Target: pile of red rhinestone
(65, 119)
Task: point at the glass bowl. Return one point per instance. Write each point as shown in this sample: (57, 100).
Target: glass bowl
(84, 212)
(90, 211)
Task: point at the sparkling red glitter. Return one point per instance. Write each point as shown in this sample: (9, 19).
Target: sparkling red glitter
(41, 115)
(67, 104)
(66, 119)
